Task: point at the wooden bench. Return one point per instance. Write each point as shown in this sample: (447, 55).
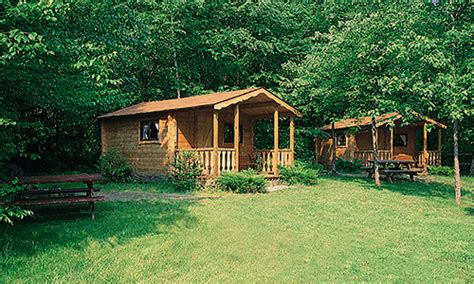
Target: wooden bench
(33, 196)
(391, 173)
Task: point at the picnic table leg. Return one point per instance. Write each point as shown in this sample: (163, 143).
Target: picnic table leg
(90, 192)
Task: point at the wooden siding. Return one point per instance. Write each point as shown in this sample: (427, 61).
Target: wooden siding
(145, 157)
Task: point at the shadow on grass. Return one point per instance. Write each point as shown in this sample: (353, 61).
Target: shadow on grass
(469, 211)
(116, 223)
(407, 187)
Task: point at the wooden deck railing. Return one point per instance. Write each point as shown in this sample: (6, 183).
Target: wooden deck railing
(434, 158)
(365, 156)
(225, 159)
(264, 159)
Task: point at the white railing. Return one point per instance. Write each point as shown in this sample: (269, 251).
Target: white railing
(433, 159)
(264, 159)
(225, 161)
(365, 156)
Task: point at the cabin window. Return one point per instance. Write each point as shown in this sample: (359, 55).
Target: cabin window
(400, 140)
(150, 130)
(229, 133)
(341, 140)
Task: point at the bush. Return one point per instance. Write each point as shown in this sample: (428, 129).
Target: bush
(247, 181)
(185, 171)
(347, 166)
(114, 167)
(440, 170)
(8, 213)
(300, 173)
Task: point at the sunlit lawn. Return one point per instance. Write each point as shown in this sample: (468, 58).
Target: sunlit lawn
(342, 229)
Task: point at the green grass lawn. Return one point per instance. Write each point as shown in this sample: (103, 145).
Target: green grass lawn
(341, 229)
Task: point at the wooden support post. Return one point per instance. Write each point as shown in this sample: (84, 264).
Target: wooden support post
(236, 137)
(440, 132)
(391, 142)
(425, 147)
(171, 138)
(275, 142)
(215, 144)
(292, 140)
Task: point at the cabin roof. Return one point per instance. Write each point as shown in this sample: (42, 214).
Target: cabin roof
(379, 120)
(216, 100)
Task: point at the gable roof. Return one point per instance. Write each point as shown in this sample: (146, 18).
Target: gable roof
(217, 100)
(379, 121)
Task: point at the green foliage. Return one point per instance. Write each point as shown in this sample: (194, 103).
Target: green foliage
(247, 181)
(113, 167)
(347, 166)
(300, 173)
(63, 63)
(185, 171)
(7, 212)
(440, 170)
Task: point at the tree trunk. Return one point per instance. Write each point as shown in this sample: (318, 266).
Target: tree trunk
(376, 152)
(178, 86)
(457, 172)
(333, 162)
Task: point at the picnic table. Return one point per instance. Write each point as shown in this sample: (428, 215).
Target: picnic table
(32, 195)
(391, 168)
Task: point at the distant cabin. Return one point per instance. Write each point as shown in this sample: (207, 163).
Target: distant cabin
(218, 127)
(402, 141)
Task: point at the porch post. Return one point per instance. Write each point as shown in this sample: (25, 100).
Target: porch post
(215, 144)
(236, 137)
(440, 132)
(275, 141)
(292, 140)
(425, 147)
(172, 137)
(391, 142)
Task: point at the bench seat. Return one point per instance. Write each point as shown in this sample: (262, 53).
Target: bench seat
(397, 171)
(34, 192)
(62, 200)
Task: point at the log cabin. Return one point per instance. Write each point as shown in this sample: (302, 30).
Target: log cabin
(396, 140)
(218, 127)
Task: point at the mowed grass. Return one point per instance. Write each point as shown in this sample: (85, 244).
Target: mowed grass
(341, 229)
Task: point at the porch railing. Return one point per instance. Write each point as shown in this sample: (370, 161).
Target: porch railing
(434, 158)
(264, 159)
(225, 161)
(365, 156)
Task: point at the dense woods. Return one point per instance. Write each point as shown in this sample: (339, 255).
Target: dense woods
(63, 63)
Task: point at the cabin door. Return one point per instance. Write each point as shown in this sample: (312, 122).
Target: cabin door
(204, 130)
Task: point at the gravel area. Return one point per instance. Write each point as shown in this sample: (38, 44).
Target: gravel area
(137, 196)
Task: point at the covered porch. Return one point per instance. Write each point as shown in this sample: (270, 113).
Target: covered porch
(223, 136)
(409, 142)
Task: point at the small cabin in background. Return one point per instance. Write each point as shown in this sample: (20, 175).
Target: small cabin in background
(218, 127)
(402, 142)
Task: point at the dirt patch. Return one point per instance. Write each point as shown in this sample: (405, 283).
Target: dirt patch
(150, 196)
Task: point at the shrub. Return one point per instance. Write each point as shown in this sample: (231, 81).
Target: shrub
(300, 173)
(347, 166)
(440, 170)
(247, 181)
(114, 167)
(8, 213)
(185, 171)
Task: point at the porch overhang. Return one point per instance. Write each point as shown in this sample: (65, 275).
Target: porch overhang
(259, 102)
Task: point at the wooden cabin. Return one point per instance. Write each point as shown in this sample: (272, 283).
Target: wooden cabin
(396, 140)
(218, 127)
